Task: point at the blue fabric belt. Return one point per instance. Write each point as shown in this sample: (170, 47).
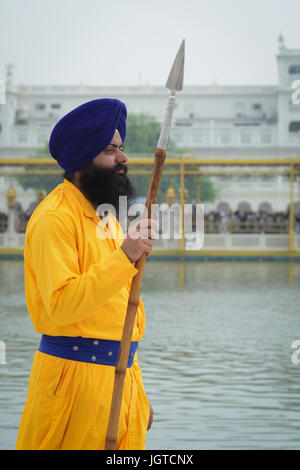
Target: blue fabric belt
(93, 350)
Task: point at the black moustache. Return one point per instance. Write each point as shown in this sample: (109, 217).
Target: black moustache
(122, 167)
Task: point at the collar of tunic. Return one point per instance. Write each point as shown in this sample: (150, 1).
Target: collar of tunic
(111, 225)
(86, 205)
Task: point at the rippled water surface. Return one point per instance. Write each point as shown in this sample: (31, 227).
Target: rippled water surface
(216, 356)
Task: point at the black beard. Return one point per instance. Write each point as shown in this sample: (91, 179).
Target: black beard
(105, 186)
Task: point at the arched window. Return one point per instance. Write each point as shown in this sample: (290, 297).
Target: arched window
(265, 207)
(294, 69)
(223, 207)
(294, 126)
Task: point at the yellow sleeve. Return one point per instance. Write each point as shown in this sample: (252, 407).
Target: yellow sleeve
(68, 295)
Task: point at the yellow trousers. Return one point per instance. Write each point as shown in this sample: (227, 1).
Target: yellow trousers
(68, 405)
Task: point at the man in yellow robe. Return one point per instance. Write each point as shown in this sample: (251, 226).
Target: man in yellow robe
(77, 284)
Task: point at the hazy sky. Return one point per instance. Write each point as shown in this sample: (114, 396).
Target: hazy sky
(130, 42)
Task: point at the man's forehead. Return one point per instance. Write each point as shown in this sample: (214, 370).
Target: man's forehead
(116, 138)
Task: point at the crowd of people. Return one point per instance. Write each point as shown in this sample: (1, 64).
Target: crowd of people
(21, 217)
(250, 221)
(215, 221)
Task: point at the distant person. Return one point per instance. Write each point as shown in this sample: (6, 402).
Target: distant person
(244, 217)
(33, 205)
(31, 208)
(3, 222)
(297, 223)
(224, 223)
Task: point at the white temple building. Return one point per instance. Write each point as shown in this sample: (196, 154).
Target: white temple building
(213, 121)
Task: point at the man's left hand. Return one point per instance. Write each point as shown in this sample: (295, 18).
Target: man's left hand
(150, 418)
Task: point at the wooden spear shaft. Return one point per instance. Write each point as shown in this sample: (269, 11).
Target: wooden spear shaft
(133, 302)
(174, 83)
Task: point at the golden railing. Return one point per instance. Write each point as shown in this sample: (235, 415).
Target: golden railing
(181, 168)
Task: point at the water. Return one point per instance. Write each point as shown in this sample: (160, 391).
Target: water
(216, 356)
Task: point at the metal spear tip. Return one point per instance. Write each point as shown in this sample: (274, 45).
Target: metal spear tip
(175, 79)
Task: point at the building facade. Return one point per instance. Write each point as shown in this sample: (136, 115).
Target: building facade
(209, 121)
(215, 120)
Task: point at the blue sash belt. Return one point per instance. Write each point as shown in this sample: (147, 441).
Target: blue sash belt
(93, 350)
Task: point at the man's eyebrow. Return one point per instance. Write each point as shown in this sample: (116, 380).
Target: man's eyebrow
(114, 145)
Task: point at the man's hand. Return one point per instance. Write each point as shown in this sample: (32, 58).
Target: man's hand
(150, 418)
(140, 239)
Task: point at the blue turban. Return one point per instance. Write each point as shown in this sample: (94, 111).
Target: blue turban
(86, 131)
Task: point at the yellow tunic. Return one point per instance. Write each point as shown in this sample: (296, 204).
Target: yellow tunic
(77, 283)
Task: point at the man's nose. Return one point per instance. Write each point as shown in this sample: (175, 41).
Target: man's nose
(121, 157)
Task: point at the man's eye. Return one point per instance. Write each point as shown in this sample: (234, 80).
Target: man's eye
(111, 149)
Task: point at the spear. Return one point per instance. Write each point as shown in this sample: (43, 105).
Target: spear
(174, 84)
